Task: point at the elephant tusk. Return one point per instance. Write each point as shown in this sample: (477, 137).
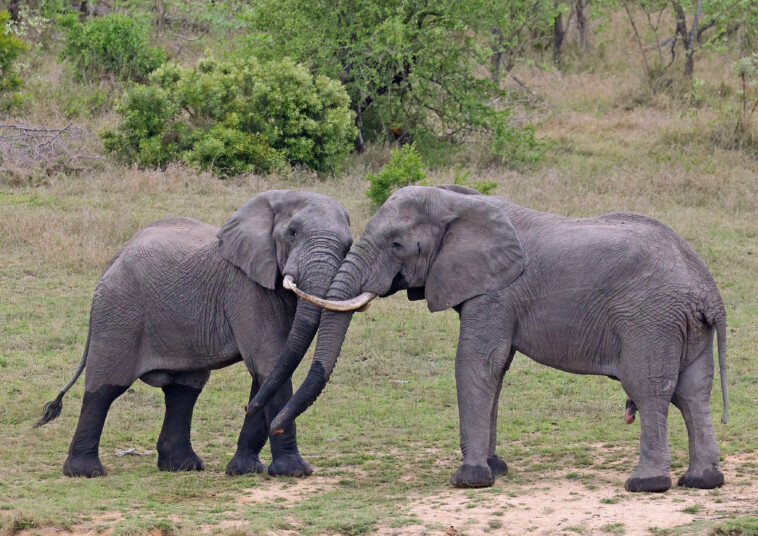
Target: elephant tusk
(359, 303)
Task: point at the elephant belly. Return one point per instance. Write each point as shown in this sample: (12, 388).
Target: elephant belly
(561, 345)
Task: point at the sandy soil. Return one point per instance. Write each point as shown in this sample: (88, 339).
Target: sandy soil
(595, 502)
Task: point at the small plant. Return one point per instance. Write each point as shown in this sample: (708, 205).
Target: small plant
(234, 117)
(10, 47)
(462, 179)
(694, 509)
(743, 526)
(403, 169)
(618, 529)
(115, 44)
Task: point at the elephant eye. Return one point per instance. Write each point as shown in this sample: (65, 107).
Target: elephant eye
(292, 232)
(397, 246)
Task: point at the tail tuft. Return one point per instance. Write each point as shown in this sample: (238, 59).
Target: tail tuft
(51, 410)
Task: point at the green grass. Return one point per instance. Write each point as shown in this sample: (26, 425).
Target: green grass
(383, 437)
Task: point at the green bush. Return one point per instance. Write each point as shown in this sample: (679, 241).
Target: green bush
(10, 47)
(114, 44)
(234, 117)
(403, 169)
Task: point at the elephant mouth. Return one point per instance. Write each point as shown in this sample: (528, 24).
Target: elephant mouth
(398, 283)
(359, 303)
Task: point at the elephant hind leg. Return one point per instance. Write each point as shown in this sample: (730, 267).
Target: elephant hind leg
(83, 457)
(692, 397)
(175, 451)
(653, 470)
(650, 383)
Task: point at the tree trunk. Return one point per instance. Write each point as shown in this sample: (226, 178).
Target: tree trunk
(13, 10)
(582, 35)
(497, 54)
(689, 38)
(559, 33)
(359, 144)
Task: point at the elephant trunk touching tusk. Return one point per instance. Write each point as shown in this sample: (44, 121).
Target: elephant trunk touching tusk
(359, 303)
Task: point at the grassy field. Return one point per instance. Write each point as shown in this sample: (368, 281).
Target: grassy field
(383, 438)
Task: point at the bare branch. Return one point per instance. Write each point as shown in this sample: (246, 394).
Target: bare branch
(26, 145)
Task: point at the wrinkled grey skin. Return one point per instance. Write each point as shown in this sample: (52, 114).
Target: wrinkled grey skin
(182, 298)
(619, 295)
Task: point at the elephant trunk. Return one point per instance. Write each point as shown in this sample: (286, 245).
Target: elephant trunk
(323, 262)
(331, 335)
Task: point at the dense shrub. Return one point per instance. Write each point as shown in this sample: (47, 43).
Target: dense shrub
(403, 169)
(233, 117)
(114, 44)
(10, 47)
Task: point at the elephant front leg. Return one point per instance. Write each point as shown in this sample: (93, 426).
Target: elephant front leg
(497, 465)
(175, 451)
(83, 457)
(252, 438)
(480, 362)
(287, 460)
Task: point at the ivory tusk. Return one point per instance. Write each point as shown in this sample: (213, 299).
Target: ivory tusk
(359, 303)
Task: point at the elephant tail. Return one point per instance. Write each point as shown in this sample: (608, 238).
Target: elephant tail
(53, 408)
(721, 341)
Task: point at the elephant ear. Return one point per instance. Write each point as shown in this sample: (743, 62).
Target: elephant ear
(247, 241)
(479, 252)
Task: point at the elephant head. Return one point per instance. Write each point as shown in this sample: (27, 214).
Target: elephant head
(435, 243)
(301, 235)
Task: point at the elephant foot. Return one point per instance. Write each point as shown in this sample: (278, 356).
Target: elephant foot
(498, 466)
(244, 465)
(293, 465)
(472, 476)
(652, 484)
(180, 461)
(87, 466)
(708, 479)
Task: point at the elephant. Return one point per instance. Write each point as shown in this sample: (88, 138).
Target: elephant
(182, 298)
(619, 295)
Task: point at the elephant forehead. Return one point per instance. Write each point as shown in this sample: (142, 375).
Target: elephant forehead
(325, 211)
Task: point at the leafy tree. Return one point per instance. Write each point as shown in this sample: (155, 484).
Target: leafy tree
(413, 67)
(114, 44)
(10, 47)
(234, 117)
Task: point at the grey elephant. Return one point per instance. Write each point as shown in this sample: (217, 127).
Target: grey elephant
(182, 298)
(619, 295)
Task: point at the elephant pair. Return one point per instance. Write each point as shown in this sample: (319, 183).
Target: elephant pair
(182, 298)
(619, 295)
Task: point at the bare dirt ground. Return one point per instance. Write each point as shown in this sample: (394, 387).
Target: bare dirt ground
(590, 502)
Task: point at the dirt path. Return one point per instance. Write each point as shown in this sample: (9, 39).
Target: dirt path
(580, 502)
